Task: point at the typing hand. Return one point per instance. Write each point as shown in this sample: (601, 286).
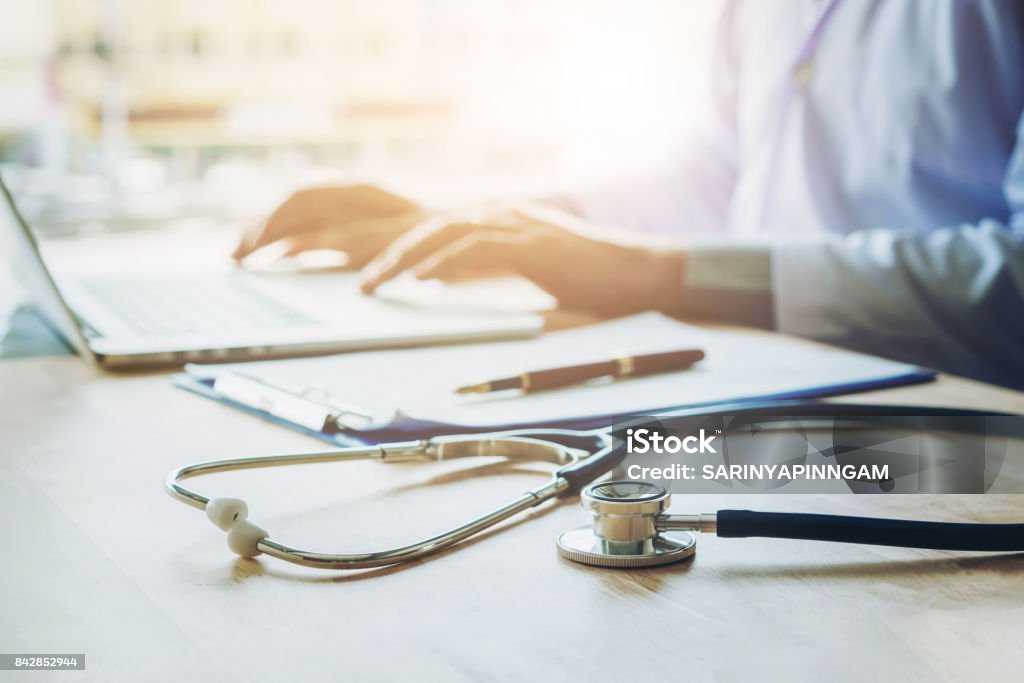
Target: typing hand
(583, 269)
(358, 219)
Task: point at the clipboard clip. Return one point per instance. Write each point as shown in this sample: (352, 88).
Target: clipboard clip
(312, 407)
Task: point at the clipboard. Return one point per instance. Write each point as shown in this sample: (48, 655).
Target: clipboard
(379, 396)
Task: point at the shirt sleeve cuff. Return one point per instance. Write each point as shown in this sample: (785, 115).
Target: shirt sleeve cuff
(730, 283)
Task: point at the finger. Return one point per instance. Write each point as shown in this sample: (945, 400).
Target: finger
(360, 239)
(358, 253)
(343, 237)
(477, 254)
(311, 241)
(295, 215)
(313, 208)
(410, 249)
(245, 242)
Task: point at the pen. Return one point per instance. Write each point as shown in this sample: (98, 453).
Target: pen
(623, 366)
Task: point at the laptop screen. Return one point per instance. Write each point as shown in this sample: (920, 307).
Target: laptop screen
(27, 264)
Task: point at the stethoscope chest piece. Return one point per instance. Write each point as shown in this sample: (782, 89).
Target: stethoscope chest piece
(583, 546)
(625, 530)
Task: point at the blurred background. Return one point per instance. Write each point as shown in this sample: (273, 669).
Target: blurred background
(126, 113)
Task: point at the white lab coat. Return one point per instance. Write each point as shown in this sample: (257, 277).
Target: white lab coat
(883, 167)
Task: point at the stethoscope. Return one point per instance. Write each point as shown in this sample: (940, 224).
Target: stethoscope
(630, 526)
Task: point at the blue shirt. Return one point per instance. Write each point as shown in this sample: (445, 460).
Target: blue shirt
(862, 179)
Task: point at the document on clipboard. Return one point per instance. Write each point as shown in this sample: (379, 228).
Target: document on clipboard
(413, 391)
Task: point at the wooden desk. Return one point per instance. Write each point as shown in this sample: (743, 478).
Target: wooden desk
(97, 559)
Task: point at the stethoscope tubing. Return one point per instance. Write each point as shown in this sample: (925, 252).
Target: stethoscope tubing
(903, 533)
(603, 454)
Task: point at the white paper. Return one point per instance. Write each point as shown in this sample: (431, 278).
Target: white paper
(421, 382)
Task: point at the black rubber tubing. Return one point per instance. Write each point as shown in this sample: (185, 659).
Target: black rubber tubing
(903, 533)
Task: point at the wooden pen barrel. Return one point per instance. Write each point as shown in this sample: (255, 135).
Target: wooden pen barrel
(625, 366)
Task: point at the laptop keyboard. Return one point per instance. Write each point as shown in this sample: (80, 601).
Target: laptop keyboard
(169, 305)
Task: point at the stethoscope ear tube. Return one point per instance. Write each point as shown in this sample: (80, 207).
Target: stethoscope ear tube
(902, 533)
(585, 471)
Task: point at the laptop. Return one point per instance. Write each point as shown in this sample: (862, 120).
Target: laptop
(141, 318)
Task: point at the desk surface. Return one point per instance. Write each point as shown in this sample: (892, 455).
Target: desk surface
(97, 559)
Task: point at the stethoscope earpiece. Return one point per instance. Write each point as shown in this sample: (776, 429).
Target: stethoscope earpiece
(232, 515)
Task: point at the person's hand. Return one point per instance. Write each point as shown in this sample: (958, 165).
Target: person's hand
(359, 220)
(580, 267)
